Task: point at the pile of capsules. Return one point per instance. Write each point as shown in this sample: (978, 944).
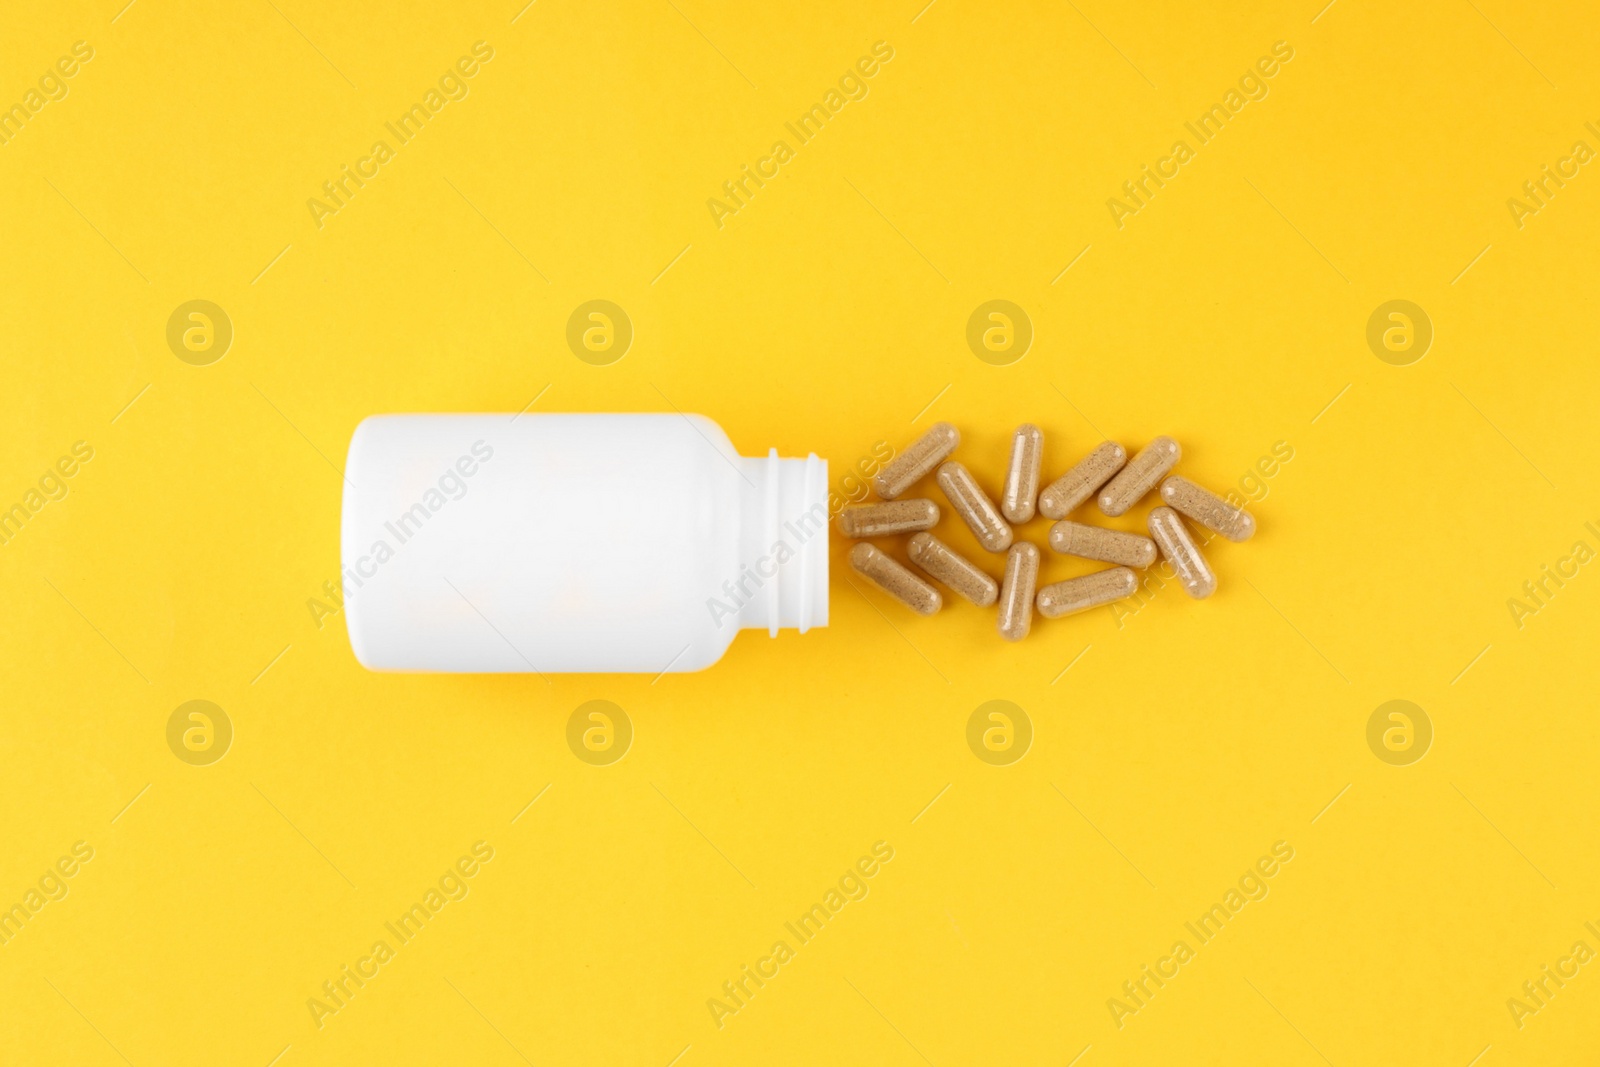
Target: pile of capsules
(1120, 482)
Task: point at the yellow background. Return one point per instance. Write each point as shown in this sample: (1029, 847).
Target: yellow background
(826, 315)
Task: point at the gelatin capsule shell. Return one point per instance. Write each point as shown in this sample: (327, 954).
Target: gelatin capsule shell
(889, 575)
(947, 565)
(1017, 592)
(888, 517)
(1067, 492)
(1085, 592)
(1208, 509)
(1096, 542)
(1018, 499)
(1139, 476)
(974, 506)
(920, 457)
(1172, 537)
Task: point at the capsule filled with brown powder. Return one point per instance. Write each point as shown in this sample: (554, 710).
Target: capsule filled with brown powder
(1018, 496)
(1016, 591)
(947, 565)
(1096, 542)
(1207, 508)
(1082, 481)
(920, 457)
(1169, 533)
(1089, 591)
(1139, 476)
(974, 507)
(889, 517)
(893, 578)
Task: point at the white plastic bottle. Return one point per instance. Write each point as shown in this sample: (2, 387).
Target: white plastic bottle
(582, 542)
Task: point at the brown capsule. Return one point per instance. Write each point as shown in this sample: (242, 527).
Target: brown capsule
(952, 568)
(1016, 591)
(974, 506)
(1096, 542)
(1173, 538)
(920, 457)
(1208, 509)
(1089, 591)
(1083, 481)
(893, 578)
(890, 517)
(1022, 474)
(1139, 476)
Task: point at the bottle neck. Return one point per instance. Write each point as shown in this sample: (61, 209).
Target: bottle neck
(783, 543)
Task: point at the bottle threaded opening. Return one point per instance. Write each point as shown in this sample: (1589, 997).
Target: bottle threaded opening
(784, 543)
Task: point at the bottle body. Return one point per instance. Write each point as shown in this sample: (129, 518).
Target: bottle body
(572, 543)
